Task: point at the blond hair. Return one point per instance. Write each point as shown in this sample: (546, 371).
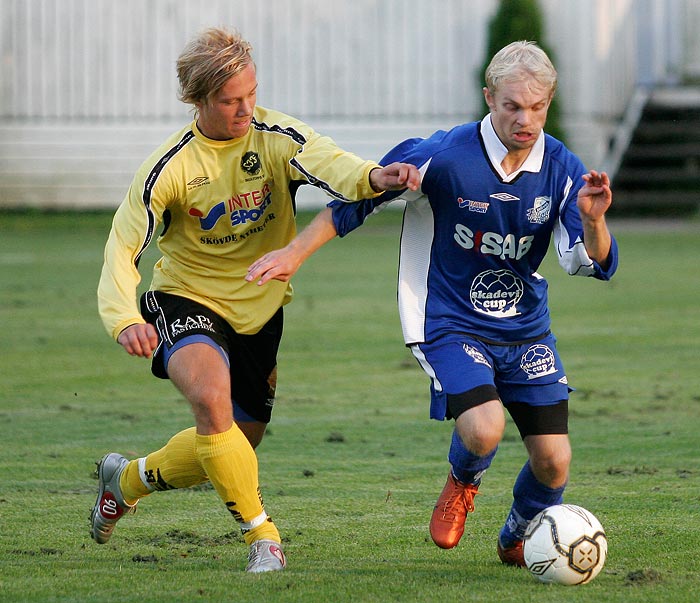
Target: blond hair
(519, 61)
(208, 61)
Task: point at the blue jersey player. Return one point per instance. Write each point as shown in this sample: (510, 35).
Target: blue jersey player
(494, 195)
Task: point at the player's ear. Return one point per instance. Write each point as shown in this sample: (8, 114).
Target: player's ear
(488, 97)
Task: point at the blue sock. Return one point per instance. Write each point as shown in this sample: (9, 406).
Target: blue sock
(467, 467)
(529, 498)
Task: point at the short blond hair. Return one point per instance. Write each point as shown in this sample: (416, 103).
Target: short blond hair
(521, 60)
(208, 61)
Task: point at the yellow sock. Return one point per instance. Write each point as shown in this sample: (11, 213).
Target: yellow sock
(131, 485)
(232, 467)
(174, 466)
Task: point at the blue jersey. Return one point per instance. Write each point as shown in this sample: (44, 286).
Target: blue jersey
(473, 237)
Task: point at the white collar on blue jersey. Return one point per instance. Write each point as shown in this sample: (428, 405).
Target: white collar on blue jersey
(496, 151)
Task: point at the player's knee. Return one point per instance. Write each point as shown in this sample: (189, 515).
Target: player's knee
(552, 469)
(481, 428)
(483, 444)
(212, 410)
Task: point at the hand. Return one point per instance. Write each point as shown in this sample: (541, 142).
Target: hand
(280, 264)
(595, 197)
(139, 339)
(395, 176)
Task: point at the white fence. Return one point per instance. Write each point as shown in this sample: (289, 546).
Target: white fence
(73, 72)
(107, 59)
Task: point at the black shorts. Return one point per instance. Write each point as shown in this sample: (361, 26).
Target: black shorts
(252, 359)
(540, 420)
(530, 420)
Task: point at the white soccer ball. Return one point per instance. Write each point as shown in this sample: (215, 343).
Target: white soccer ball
(565, 544)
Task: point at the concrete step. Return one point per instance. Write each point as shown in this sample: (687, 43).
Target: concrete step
(664, 151)
(650, 199)
(661, 168)
(657, 177)
(667, 131)
(675, 97)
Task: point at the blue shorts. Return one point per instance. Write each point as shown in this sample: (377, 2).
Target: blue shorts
(530, 373)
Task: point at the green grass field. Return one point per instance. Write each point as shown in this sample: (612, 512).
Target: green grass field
(351, 465)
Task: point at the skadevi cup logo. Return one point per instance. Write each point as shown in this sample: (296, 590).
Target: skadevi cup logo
(538, 361)
(497, 293)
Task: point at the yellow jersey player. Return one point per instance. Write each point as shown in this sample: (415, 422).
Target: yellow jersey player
(221, 193)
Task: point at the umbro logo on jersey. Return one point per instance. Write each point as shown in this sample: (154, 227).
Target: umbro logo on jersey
(504, 197)
(197, 182)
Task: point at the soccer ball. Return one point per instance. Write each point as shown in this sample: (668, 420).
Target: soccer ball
(565, 544)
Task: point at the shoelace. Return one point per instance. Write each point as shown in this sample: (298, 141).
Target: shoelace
(467, 494)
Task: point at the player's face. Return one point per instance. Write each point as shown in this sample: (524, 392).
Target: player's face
(228, 113)
(518, 112)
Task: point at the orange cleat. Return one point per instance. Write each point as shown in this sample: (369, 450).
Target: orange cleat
(512, 555)
(450, 512)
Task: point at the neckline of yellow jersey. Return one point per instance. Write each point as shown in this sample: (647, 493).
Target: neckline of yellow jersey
(217, 143)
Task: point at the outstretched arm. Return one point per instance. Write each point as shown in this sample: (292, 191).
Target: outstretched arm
(282, 264)
(395, 176)
(594, 199)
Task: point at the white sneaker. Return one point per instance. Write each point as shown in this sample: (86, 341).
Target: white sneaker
(265, 556)
(110, 504)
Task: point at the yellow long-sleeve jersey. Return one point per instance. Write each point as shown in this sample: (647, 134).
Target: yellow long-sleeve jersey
(222, 205)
